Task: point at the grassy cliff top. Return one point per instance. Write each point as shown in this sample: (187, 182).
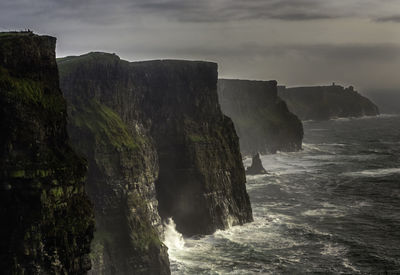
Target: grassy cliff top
(104, 57)
(247, 81)
(17, 33)
(20, 34)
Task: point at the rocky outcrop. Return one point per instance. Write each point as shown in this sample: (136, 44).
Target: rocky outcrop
(172, 119)
(123, 165)
(262, 120)
(326, 102)
(256, 167)
(47, 218)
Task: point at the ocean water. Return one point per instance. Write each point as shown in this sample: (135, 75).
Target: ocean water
(332, 208)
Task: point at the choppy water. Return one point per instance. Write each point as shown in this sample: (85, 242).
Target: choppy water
(332, 208)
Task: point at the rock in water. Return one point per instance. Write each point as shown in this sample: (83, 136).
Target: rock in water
(262, 120)
(256, 167)
(326, 102)
(47, 219)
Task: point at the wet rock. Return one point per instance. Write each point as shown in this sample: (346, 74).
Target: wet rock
(256, 167)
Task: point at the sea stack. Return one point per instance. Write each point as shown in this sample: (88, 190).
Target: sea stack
(47, 218)
(256, 167)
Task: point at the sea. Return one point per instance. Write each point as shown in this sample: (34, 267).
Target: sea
(332, 208)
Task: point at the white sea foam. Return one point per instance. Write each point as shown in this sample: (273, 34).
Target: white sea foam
(336, 213)
(373, 173)
(346, 263)
(333, 250)
(173, 239)
(312, 147)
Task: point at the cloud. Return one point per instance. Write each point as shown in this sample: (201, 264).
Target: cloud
(296, 41)
(228, 10)
(183, 10)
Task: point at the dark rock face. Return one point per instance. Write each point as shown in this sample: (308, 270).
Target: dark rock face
(170, 111)
(326, 102)
(256, 167)
(123, 165)
(262, 120)
(202, 181)
(47, 218)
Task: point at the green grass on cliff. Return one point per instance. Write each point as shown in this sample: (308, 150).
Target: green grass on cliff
(28, 91)
(103, 122)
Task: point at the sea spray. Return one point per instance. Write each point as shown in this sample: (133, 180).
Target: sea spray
(173, 239)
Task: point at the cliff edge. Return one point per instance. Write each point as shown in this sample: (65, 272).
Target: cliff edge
(326, 102)
(47, 218)
(123, 165)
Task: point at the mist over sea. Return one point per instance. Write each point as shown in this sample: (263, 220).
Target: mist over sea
(332, 208)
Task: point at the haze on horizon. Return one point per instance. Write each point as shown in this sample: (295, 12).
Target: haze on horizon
(302, 42)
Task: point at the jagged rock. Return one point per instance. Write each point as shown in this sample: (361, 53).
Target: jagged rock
(47, 219)
(256, 167)
(262, 120)
(326, 102)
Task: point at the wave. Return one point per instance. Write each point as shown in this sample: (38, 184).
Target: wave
(173, 239)
(310, 147)
(373, 173)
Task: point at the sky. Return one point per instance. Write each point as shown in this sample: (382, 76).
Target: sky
(296, 42)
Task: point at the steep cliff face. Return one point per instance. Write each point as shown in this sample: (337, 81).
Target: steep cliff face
(201, 181)
(47, 218)
(325, 102)
(262, 120)
(123, 165)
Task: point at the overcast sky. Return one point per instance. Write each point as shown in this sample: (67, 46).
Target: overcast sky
(297, 42)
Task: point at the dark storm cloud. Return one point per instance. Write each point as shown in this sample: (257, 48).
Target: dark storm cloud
(227, 10)
(179, 10)
(296, 41)
(393, 18)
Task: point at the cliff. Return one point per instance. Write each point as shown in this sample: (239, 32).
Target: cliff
(201, 184)
(185, 148)
(47, 220)
(326, 102)
(262, 120)
(123, 165)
